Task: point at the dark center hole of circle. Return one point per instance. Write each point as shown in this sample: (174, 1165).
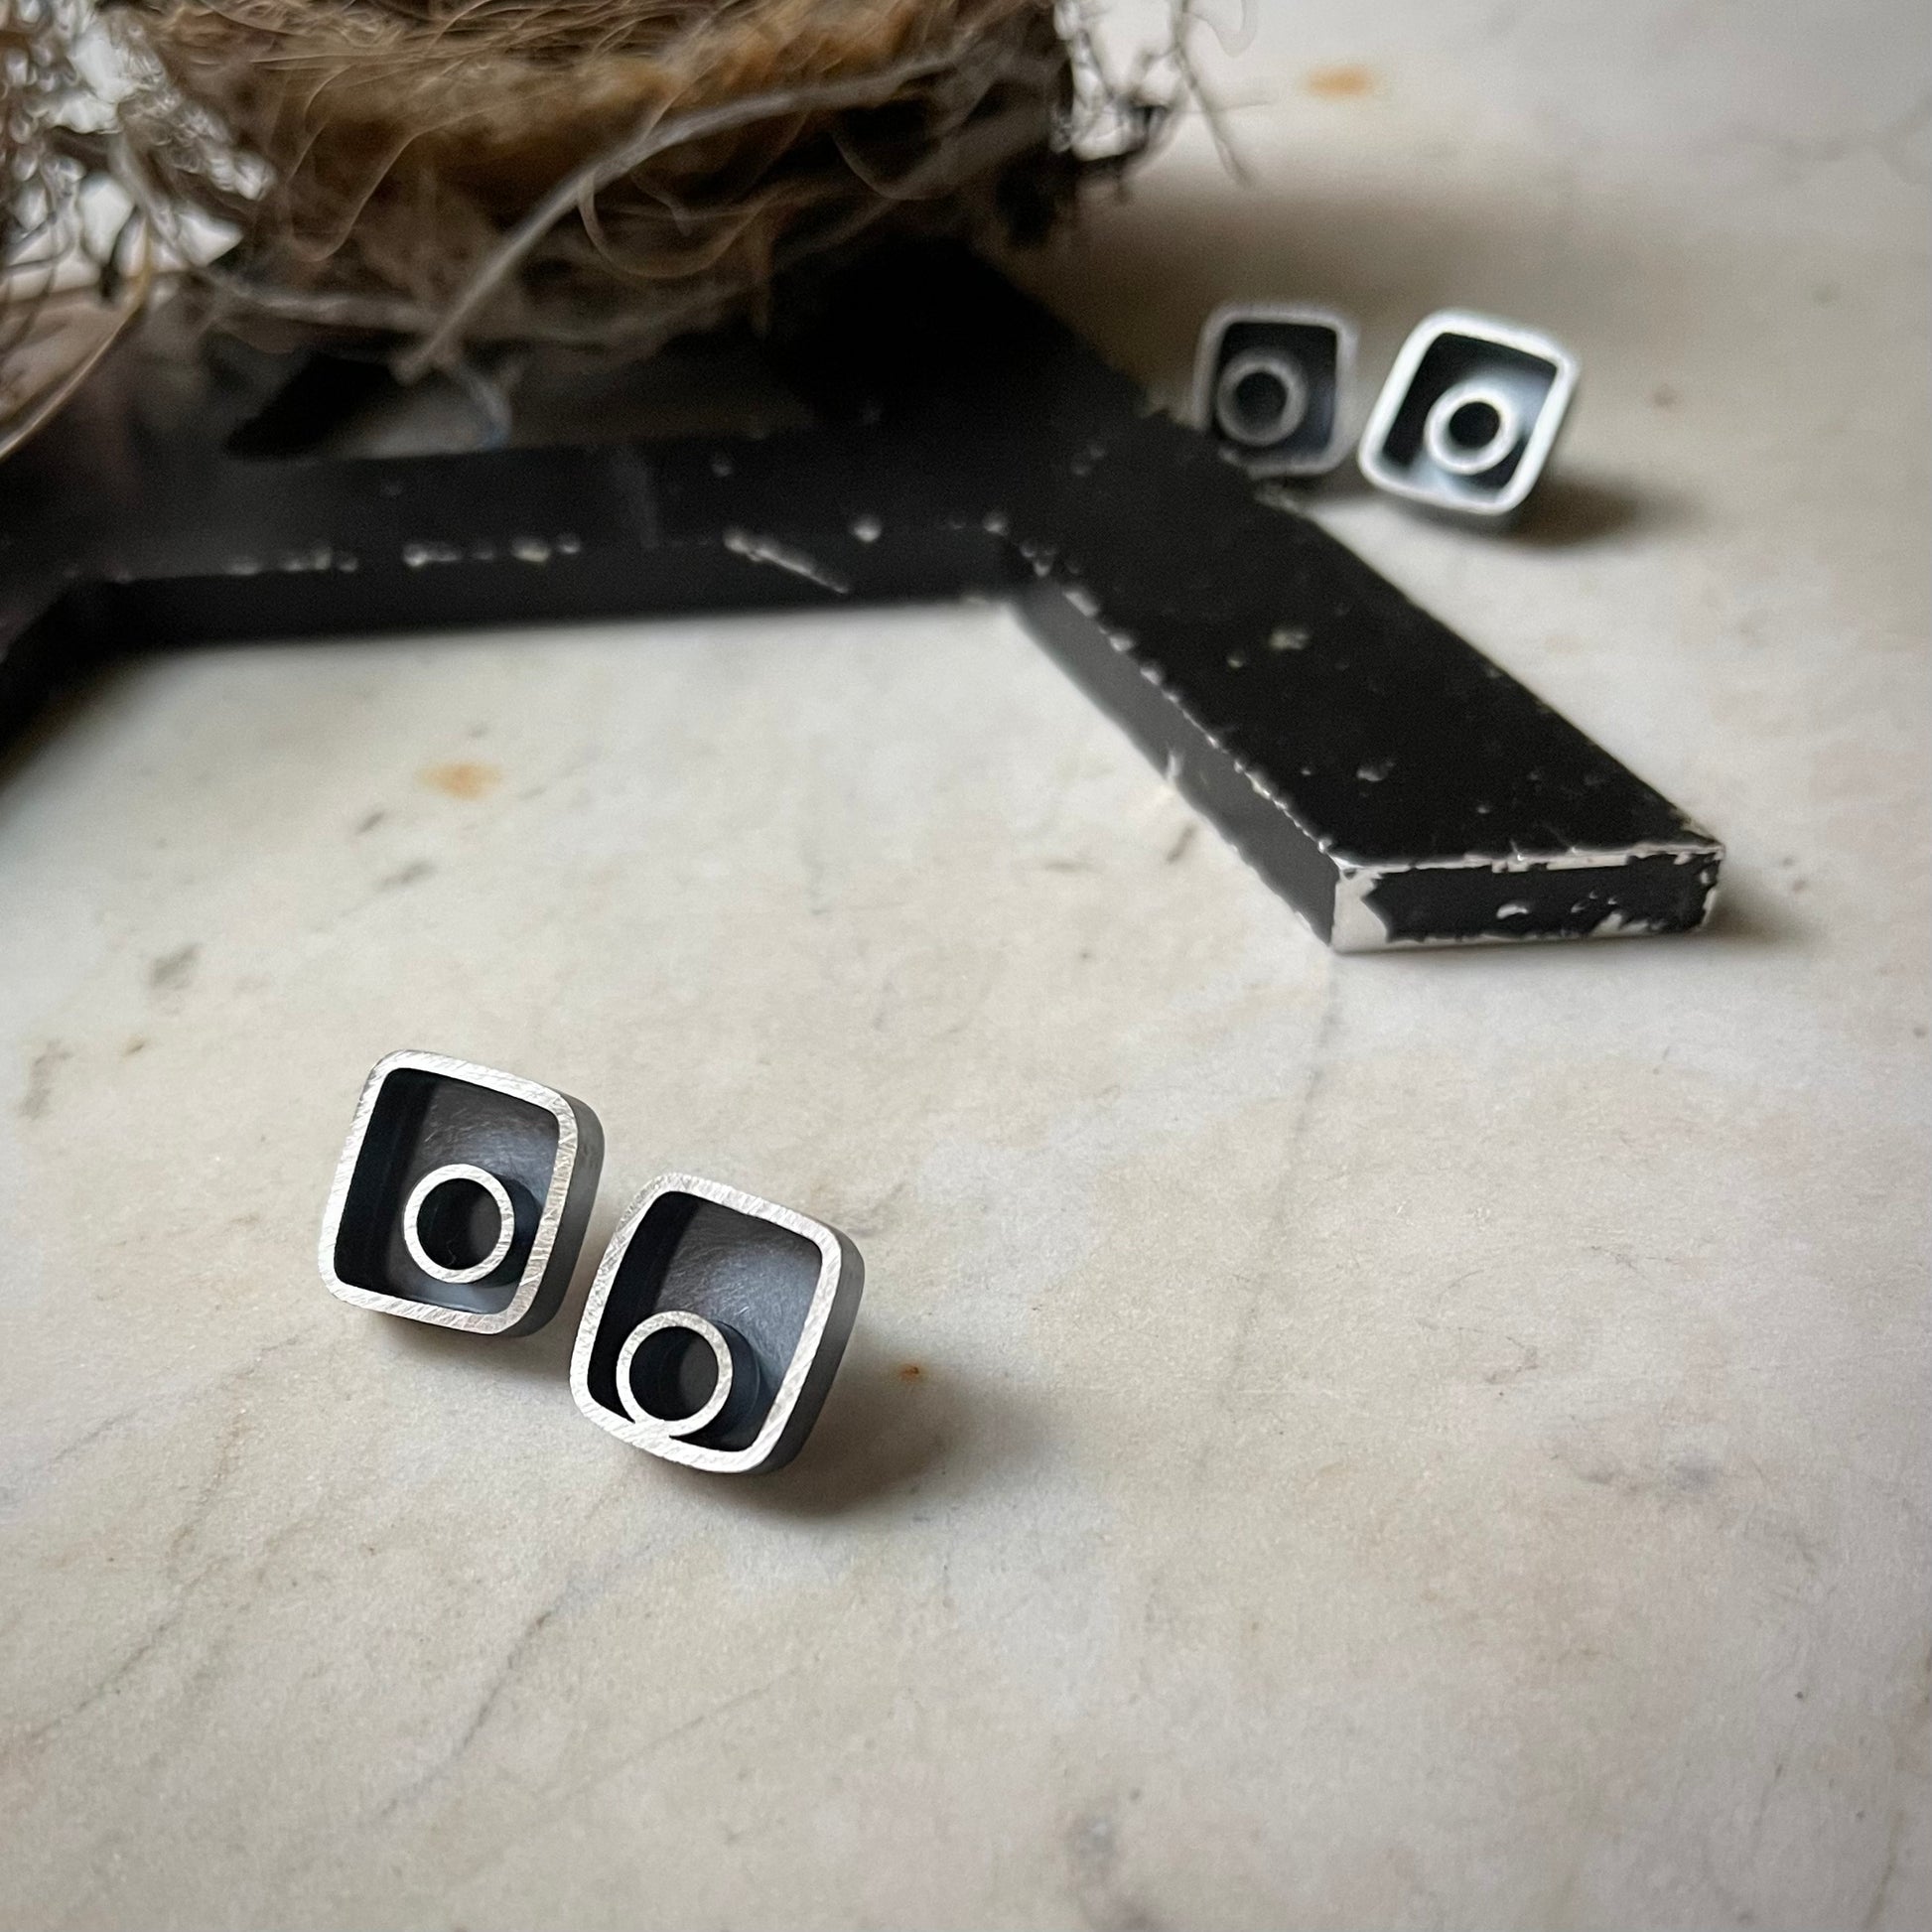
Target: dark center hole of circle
(1474, 425)
(1259, 402)
(459, 1225)
(673, 1373)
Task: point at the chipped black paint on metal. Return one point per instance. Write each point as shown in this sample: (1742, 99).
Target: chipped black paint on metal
(1381, 774)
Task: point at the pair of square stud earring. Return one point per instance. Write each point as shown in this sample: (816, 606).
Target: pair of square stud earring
(1465, 424)
(716, 1322)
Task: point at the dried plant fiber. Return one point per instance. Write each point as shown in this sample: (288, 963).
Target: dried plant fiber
(64, 295)
(602, 173)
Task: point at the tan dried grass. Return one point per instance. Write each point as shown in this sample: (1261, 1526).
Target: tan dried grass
(603, 173)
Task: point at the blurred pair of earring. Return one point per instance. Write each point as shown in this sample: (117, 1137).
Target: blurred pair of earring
(715, 1320)
(1465, 423)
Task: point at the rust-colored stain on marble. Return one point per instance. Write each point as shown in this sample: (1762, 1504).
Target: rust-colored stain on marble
(1348, 81)
(463, 778)
(912, 1372)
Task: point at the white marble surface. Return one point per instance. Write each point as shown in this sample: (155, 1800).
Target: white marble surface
(1434, 1441)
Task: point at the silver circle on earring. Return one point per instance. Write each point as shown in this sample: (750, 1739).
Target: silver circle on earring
(439, 1215)
(1471, 427)
(656, 1354)
(1261, 398)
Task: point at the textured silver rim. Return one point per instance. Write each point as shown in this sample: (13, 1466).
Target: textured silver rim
(1236, 422)
(1449, 451)
(657, 1324)
(412, 1213)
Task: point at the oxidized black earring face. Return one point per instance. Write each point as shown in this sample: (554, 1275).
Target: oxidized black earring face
(714, 1326)
(462, 1196)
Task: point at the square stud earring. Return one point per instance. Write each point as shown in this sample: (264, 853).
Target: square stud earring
(714, 1326)
(1470, 415)
(1271, 385)
(462, 1196)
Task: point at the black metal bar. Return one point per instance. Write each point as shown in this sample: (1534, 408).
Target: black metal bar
(1381, 774)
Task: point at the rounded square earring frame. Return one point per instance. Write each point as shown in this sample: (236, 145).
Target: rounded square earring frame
(816, 1356)
(1533, 346)
(563, 1215)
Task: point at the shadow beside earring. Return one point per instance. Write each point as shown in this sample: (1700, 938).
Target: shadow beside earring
(893, 1427)
(1569, 511)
